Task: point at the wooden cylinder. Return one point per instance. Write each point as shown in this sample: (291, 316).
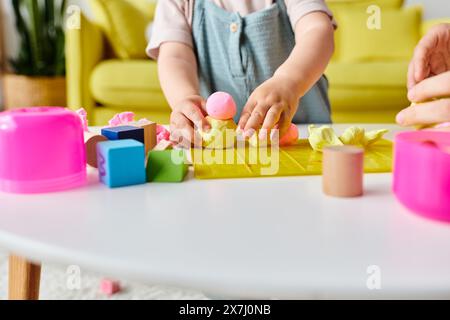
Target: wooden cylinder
(90, 141)
(343, 171)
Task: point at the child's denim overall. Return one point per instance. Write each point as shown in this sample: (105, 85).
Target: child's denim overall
(236, 54)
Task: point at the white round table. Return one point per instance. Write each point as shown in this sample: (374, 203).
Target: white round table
(259, 238)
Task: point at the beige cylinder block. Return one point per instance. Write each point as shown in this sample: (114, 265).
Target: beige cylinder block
(90, 141)
(343, 171)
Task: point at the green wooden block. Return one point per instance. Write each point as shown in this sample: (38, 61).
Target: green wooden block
(166, 166)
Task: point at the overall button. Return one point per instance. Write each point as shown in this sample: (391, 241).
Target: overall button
(234, 27)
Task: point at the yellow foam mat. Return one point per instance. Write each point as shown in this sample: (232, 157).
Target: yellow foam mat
(297, 160)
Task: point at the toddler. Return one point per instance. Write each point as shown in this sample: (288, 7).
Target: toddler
(270, 55)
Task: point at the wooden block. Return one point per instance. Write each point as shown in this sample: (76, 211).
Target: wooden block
(163, 145)
(90, 141)
(121, 163)
(24, 279)
(166, 166)
(343, 171)
(124, 132)
(109, 287)
(149, 135)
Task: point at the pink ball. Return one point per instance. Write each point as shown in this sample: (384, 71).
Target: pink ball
(221, 106)
(290, 137)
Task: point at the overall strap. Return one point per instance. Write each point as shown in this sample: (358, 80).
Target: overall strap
(284, 15)
(198, 4)
(282, 5)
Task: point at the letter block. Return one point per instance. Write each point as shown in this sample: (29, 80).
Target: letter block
(121, 163)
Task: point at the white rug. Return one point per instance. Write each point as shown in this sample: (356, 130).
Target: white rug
(54, 286)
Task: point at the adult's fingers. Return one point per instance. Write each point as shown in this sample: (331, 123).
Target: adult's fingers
(425, 113)
(421, 56)
(434, 87)
(411, 81)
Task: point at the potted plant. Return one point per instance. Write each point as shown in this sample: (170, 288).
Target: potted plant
(38, 70)
(2, 46)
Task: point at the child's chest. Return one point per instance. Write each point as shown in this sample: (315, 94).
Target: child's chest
(243, 7)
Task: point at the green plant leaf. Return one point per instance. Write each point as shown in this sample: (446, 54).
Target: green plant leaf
(40, 25)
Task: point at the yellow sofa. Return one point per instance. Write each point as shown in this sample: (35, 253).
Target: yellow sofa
(106, 80)
(108, 72)
(368, 71)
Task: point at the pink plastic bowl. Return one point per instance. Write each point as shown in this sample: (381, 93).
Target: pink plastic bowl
(41, 150)
(422, 173)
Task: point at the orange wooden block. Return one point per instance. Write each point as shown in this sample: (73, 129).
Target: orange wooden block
(90, 141)
(343, 171)
(149, 135)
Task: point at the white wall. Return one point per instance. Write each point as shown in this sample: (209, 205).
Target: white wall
(433, 8)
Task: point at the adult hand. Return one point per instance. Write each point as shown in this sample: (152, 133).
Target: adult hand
(431, 56)
(437, 111)
(428, 79)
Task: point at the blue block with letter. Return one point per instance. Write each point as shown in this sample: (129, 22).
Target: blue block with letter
(121, 163)
(124, 132)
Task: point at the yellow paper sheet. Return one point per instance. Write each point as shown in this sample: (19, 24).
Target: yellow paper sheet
(297, 160)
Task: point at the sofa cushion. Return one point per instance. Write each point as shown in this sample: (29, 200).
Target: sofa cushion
(367, 99)
(346, 4)
(368, 75)
(127, 83)
(395, 40)
(124, 22)
(338, 6)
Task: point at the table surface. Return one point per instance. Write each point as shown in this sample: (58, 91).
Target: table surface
(266, 237)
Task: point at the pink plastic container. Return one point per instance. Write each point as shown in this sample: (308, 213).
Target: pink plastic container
(422, 173)
(41, 150)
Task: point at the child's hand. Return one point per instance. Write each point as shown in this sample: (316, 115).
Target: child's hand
(273, 102)
(186, 115)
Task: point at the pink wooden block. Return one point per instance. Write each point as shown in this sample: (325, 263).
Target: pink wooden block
(109, 287)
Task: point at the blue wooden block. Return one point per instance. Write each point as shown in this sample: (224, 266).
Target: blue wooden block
(121, 162)
(124, 132)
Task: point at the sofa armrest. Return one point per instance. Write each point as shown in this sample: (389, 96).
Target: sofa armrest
(428, 24)
(84, 50)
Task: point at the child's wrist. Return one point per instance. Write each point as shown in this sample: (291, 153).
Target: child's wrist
(296, 82)
(195, 99)
(188, 97)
